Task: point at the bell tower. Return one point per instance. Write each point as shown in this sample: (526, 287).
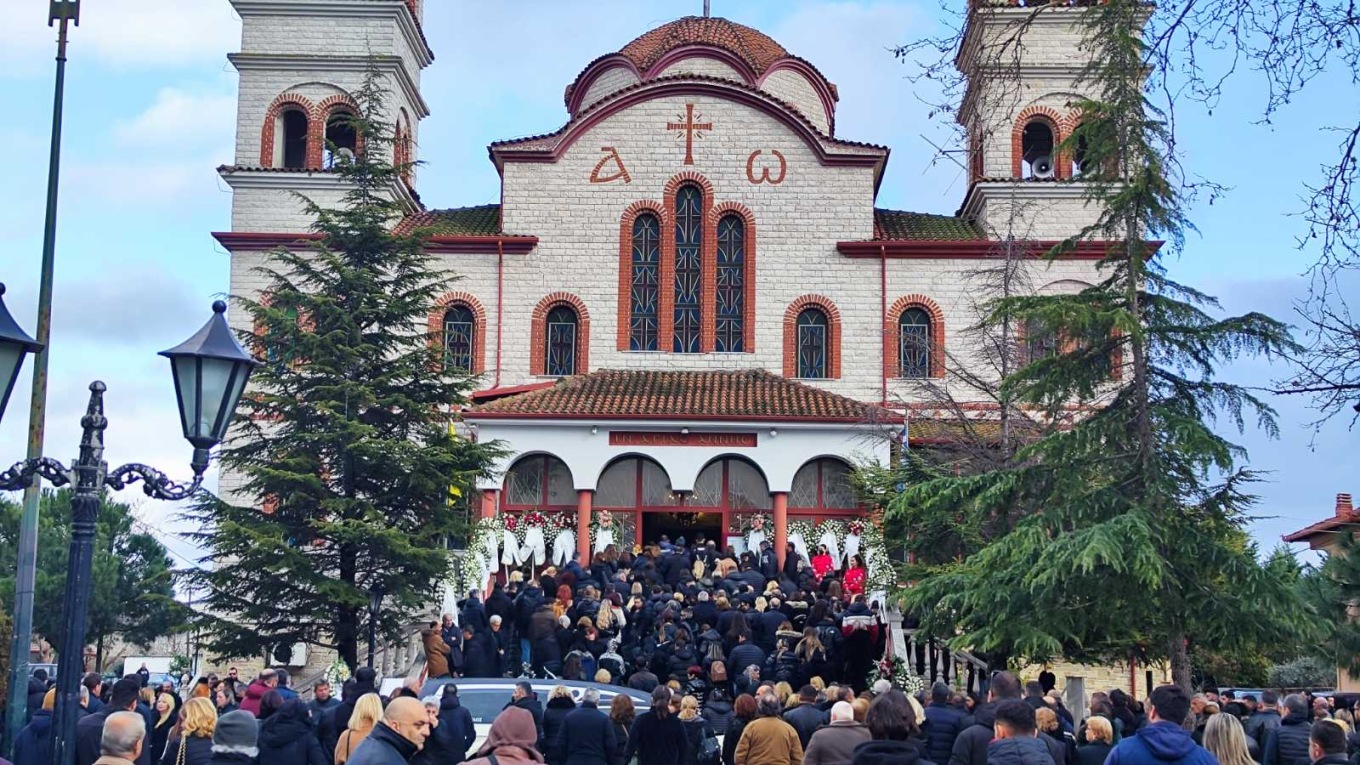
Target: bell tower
(1024, 65)
(299, 63)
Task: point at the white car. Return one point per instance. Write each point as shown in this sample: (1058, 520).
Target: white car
(485, 697)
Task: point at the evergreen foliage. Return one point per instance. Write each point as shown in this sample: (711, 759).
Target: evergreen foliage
(343, 441)
(132, 593)
(1331, 592)
(1132, 543)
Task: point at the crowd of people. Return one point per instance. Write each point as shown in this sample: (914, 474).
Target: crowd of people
(707, 620)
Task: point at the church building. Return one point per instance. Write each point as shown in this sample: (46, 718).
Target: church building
(686, 311)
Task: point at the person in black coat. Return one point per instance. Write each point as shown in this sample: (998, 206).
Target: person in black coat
(970, 748)
(523, 697)
(37, 688)
(34, 745)
(286, 736)
(743, 711)
(336, 721)
(478, 660)
(806, 717)
(743, 655)
(474, 613)
(560, 704)
(455, 725)
(1288, 744)
(945, 723)
(896, 736)
(657, 737)
(587, 735)
(90, 728)
(1099, 742)
(718, 711)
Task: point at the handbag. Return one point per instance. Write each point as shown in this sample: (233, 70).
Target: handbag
(183, 744)
(709, 751)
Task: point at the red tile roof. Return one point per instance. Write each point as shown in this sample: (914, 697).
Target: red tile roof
(733, 395)
(1344, 517)
(483, 220)
(753, 46)
(894, 225)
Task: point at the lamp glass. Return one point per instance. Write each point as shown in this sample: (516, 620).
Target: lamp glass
(208, 390)
(11, 360)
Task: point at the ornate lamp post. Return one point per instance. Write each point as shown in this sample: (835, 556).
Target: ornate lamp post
(210, 371)
(15, 344)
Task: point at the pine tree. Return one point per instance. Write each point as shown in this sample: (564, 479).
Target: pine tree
(343, 441)
(1133, 544)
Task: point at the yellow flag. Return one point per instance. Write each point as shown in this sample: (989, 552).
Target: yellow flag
(455, 493)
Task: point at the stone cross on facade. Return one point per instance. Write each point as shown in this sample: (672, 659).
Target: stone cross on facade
(690, 127)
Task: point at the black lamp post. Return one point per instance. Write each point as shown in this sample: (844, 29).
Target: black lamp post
(15, 344)
(375, 599)
(210, 370)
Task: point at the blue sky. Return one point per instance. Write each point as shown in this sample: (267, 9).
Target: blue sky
(150, 111)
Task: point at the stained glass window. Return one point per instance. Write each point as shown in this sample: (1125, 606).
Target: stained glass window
(634, 482)
(459, 332)
(561, 339)
(731, 296)
(689, 236)
(642, 330)
(540, 480)
(823, 484)
(812, 344)
(746, 487)
(914, 338)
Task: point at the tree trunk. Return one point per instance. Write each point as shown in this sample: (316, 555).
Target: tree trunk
(1180, 659)
(346, 617)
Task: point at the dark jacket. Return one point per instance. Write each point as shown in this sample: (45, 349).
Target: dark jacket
(743, 656)
(232, 758)
(835, 744)
(1260, 724)
(335, 721)
(197, 751)
(34, 745)
(1093, 754)
(890, 753)
(944, 724)
(478, 655)
(620, 745)
(656, 741)
(474, 616)
(806, 719)
(89, 730)
(1164, 742)
(1287, 744)
(730, 739)
(531, 705)
(970, 748)
(1019, 751)
(456, 723)
(718, 712)
(587, 737)
(383, 746)
(696, 730)
(553, 716)
(36, 690)
(287, 738)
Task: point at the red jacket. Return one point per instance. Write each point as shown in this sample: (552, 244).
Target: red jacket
(254, 693)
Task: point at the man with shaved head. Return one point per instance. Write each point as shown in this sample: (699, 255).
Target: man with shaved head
(397, 737)
(122, 740)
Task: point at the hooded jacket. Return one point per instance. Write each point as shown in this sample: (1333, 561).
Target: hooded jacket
(456, 723)
(1161, 743)
(34, 745)
(1019, 751)
(970, 748)
(512, 739)
(286, 738)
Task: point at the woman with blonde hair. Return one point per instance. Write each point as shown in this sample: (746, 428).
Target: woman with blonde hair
(697, 729)
(368, 710)
(1227, 741)
(191, 740)
(165, 720)
(560, 704)
(1099, 741)
(783, 691)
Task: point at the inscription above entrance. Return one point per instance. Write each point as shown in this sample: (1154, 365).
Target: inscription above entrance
(650, 438)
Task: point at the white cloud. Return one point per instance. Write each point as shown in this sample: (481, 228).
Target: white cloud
(182, 117)
(126, 33)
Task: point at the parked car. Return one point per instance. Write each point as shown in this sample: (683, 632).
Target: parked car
(485, 697)
(51, 670)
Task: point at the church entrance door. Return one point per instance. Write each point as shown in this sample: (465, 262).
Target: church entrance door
(682, 524)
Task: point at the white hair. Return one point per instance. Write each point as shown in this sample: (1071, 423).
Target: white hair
(431, 701)
(591, 696)
(841, 711)
(882, 686)
(496, 619)
(122, 731)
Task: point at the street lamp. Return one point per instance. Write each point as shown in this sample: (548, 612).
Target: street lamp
(15, 344)
(210, 371)
(375, 599)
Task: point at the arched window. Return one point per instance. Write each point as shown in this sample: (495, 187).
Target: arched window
(1036, 146)
(561, 338)
(812, 344)
(645, 296)
(823, 484)
(460, 333)
(1039, 342)
(634, 482)
(730, 484)
(731, 297)
(914, 343)
(293, 125)
(539, 481)
(341, 138)
(689, 271)
(1079, 157)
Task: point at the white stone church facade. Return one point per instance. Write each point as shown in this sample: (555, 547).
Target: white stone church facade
(686, 307)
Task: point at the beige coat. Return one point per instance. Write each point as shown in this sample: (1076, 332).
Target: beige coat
(769, 741)
(349, 741)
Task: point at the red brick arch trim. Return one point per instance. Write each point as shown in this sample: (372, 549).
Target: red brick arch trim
(626, 268)
(1050, 117)
(1069, 124)
(833, 321)
(538, 333)
(748, 323)
(436, 325)
(341, 102)
(708, 255)
(892, 365)
(271, 116)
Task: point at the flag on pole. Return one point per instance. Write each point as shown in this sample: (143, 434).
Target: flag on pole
(455, 493)
(904, 440)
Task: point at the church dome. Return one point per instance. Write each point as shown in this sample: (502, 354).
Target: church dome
(756, 48)
(709, 48)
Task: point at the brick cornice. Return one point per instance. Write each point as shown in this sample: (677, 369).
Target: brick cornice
(538, 332)
(892, 328)
(833, 330)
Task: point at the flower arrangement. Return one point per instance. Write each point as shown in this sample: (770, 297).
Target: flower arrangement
(896, 671)
(337, 673)
(762, 523)
(857, 528)
(535, 518)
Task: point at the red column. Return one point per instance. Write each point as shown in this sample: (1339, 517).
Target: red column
(584, 497)
(781, 524)
(489, 503)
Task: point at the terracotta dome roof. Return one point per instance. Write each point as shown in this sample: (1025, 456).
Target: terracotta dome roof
(754, 47)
